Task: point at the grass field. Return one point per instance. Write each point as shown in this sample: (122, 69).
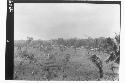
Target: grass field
(32, 63)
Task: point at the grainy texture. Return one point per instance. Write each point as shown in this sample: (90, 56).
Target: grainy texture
(48, 61)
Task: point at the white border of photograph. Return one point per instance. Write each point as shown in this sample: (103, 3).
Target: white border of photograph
(3, 13)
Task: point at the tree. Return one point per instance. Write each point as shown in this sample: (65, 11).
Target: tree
(29, 40)
(114, 49)
(60, 41)
(98, 63)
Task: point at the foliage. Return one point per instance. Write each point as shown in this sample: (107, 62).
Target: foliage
(53, 63)
(98, 63)
(113, 48)
(29, 40)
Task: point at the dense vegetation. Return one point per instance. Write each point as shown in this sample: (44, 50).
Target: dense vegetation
(67, 59)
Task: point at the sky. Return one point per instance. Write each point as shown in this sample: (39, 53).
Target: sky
(65, 20)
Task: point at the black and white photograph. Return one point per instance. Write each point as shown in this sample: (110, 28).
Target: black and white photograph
(66, 42)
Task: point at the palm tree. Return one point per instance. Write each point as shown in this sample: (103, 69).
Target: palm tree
(114, 50)
(98, 63)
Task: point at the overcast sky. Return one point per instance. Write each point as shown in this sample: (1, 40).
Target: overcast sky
(65, 20)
